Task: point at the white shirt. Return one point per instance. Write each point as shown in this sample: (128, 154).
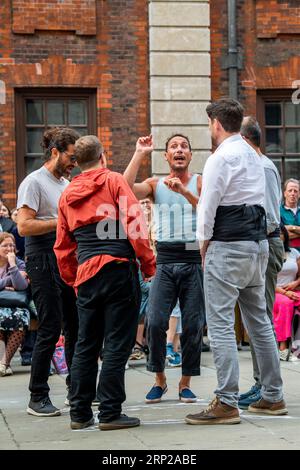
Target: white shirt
(233, 175)
(273, 194)
(289, 269)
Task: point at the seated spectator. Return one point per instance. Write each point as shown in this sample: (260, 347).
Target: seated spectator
(13, 320)
(6, 224)
(20, 241)
(290, 211)
(287, 296)
(5, 211)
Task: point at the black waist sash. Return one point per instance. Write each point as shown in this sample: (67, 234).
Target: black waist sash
(240, 223)
(90, 245)
(178, 252)
(275, 234)
(38, 244)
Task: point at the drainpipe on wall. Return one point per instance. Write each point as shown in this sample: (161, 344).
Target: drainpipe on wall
(232, 63)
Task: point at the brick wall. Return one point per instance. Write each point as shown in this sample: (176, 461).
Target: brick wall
(268, 41)
(106, 50)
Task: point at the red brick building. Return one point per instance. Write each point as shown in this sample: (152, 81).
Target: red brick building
(268, 60)
(83, 63)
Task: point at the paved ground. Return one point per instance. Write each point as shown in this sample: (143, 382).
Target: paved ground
(163, 424)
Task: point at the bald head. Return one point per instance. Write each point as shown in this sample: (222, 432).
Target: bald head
(251, 131)
(88, 150)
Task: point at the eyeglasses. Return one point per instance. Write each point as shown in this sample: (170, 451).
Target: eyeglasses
(8, 245)
(72, 158)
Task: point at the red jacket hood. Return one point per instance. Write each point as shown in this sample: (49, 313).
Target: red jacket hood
(85, 185)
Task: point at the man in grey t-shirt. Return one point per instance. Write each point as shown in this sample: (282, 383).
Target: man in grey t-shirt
(252, 134)
(37, 205)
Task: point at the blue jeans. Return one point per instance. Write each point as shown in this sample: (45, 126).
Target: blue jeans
(174, 281)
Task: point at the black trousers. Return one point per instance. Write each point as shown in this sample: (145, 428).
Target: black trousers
(183, 281)
(56, 308)
(108, 308)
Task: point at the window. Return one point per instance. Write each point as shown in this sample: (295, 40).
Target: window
(280, 120)
(37, 111)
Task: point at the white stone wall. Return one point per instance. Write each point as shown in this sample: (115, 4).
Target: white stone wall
(179, 76)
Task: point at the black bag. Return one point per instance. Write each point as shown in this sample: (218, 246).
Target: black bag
(14, 298)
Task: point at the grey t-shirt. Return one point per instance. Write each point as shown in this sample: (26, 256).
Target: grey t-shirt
(40, 191)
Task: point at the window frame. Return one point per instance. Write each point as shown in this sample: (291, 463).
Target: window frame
(269, 96)
(23, 94)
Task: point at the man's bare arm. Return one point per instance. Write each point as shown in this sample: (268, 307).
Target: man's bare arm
(144, 147)
(28, 225)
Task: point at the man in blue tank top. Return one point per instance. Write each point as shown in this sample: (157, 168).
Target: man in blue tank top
(179, 272)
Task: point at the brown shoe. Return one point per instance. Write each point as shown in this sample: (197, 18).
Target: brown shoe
(268, 408)
(216, 413)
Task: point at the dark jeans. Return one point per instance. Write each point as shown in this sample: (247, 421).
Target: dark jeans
(28, 345)
(183, 281)
(56, 308)
(108, 308)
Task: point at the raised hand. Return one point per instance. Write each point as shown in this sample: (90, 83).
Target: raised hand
(144, 145)
(11, 258)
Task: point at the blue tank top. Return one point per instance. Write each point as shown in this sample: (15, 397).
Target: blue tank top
(175, 217)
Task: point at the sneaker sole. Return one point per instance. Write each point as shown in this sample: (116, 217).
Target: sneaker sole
(112, 427)
(35, 413)
(236, 420)
(284, 411)
(77, 426)
(173, 365)
(188, 400)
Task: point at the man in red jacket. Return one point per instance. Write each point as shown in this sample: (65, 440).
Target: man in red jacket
(100, 229)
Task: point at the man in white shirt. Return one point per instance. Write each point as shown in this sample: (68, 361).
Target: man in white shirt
(234, 249)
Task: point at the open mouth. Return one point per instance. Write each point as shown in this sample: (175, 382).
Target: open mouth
(179, 159)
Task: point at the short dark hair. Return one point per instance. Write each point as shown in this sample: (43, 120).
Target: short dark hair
(59, 138)
(178, 135)
(229, 113)
(87, 151)
(251, 130)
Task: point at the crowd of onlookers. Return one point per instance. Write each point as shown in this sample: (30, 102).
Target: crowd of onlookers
(15, 319)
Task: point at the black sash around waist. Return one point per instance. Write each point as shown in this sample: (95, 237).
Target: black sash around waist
(178, 252)
(38, 244)
(240, 223)
(90, 245)
(275, 233)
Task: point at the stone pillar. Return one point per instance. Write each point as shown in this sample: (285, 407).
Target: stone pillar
(180, 80)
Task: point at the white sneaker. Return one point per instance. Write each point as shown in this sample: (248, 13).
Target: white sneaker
(2, 370)
(284, 355)
(295, 358)
(8, 371)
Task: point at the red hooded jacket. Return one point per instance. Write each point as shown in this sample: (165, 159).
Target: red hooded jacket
(91, 197)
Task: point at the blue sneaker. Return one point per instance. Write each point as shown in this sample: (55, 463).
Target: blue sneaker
(175, 361)
(155, 394)
(187, 396)
(254, 389)
(170, 351)
(243, 404)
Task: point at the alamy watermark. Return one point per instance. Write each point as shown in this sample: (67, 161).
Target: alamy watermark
(296, 94)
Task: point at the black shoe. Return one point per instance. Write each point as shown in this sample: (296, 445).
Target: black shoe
(26, 361)
(205, 347)
(76, 425)
(43, 407)
(119, 423)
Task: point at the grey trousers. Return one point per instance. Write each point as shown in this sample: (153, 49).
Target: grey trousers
(235, 271)
(275, 261)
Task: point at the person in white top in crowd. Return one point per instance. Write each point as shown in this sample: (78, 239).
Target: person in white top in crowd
(234, 249)
(287, 301)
